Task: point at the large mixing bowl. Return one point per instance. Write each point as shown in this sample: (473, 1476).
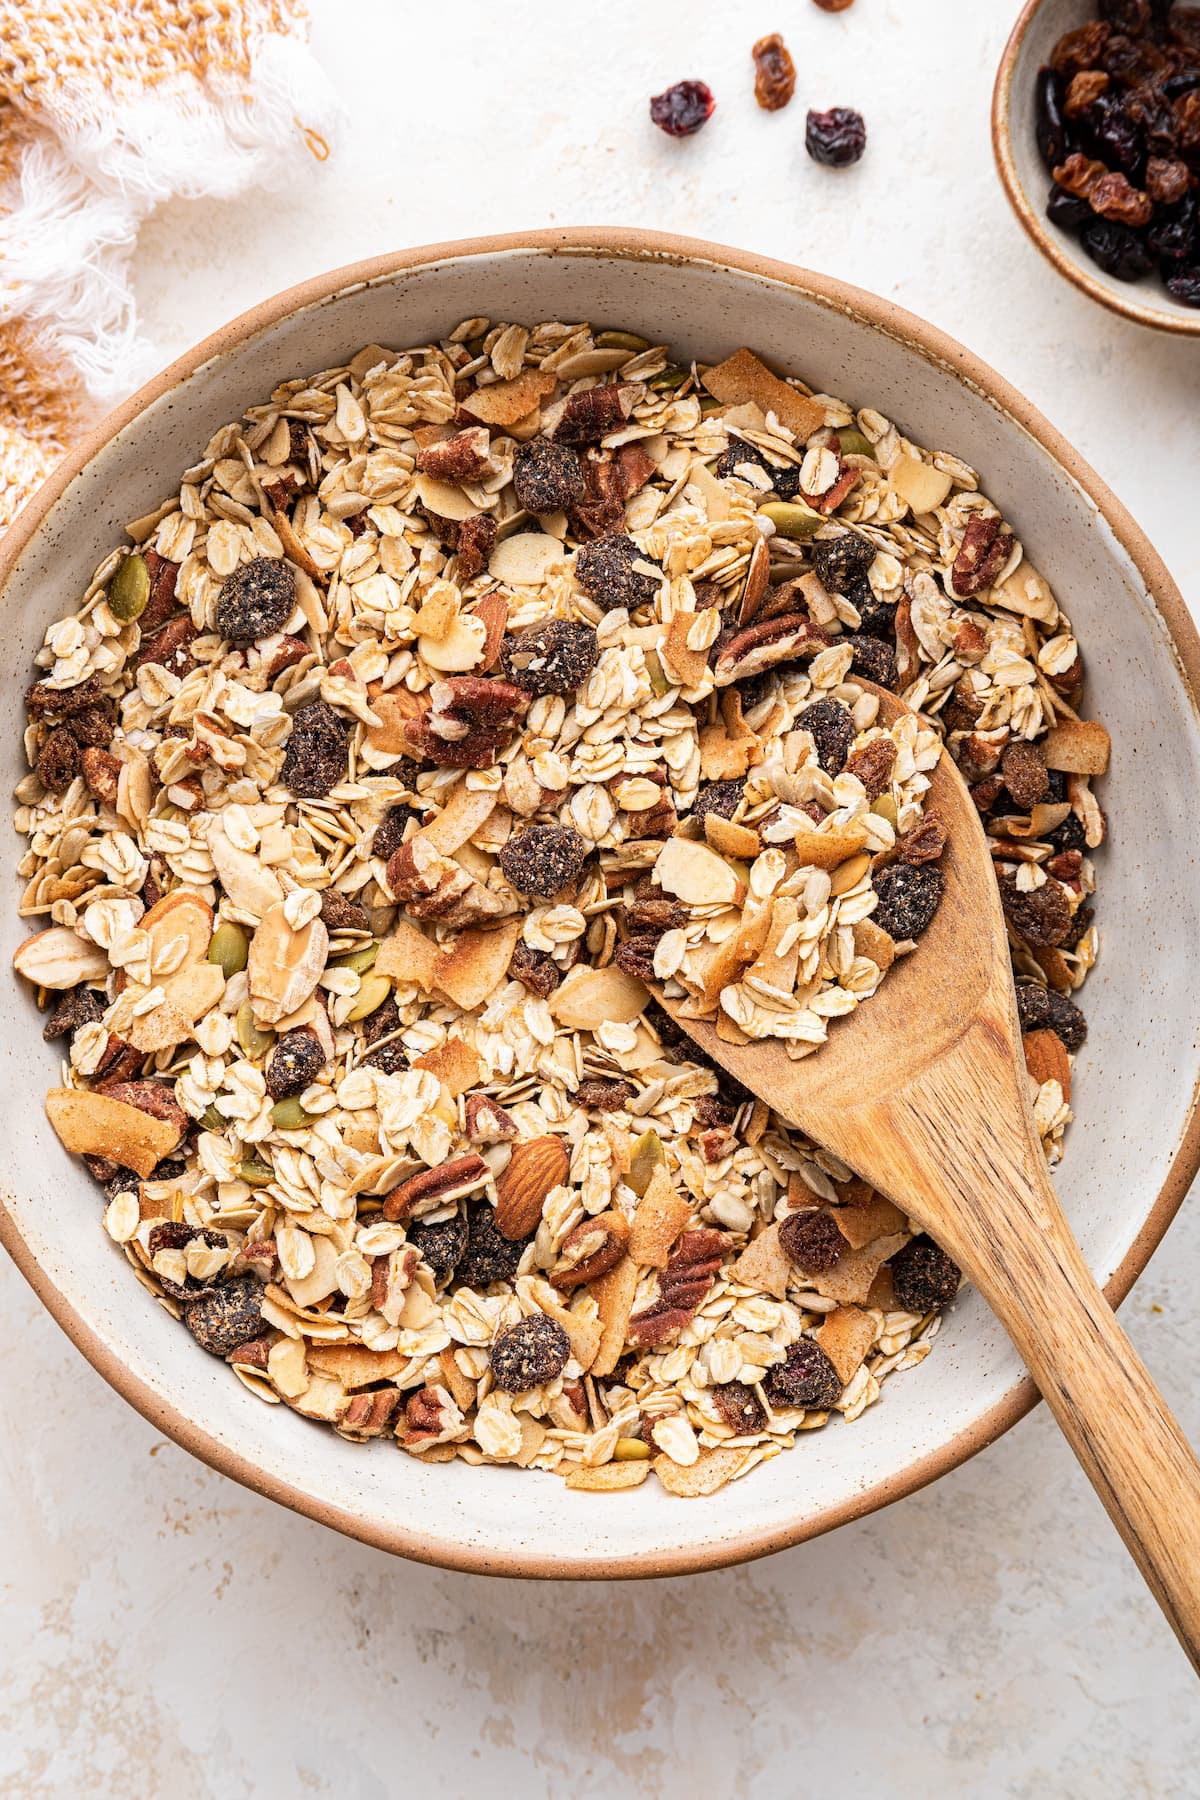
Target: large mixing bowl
(1135, 1145)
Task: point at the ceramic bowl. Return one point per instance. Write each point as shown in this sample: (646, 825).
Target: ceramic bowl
(1135, 1145)
(1027, 183)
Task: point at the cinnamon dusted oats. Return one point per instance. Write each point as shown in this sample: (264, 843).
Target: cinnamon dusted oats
(456, 691)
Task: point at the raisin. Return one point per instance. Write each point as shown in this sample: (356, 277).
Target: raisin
(1070, 835)
(59, 760)
(805, 1377)
(636, 955)
(1113, 198)
(923, 1276)
(1041, 1009)
(604, 570)
(1023, 766)
(81, 1006)
(294, 1063)
(1116, 249)
(604, 1096)
(92, 728)
(1066, 211)
(877, 618)
(1129, 16)
(226, 1315)
(56, 704)
(256, 601)
(681, 110)
(1185, 286)
(547, 477)
(774, 73)
(476, 541)
(1173, 236)
(528, 1354)
(125, 1181)
(812, 1241)
(542, 859)
(443, 1245)
(923, 842)
(836, 138)
(1050, 128)
(1081, 49)
(873, 660)
(872, 764)
(832, 731)
(535, 970)
(340, 913)
(1041, 917)
(177, 1236)
(739, 456)
(555, 658)
(740, 1407)
(1081, 919)
(389, 833)
(842, 560)
(720, 797)
(318, 752)
(712, 1113)
(908, 899)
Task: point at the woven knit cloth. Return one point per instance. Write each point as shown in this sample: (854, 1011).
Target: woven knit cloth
(105, 111)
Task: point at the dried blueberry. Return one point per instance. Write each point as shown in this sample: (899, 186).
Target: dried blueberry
(836, 138)
(1070, 835)
(873, 660)
(171, 1235)
(842, 560)
(720, 797)
(443, 1245)
(878, 617)
(805, 1377)
(604, 570)
(389, 833)
(683, 109)
(340, 913)
(555, 658)
(488, 1256)
(227, 1315)
(740, 1407)
(832, 731)
(812, 1241)
(547, 477)
(526, 1355)
(318, 752)
(1117, 250)
(1184, 286)
(294, 1063)
(1050, 126)
(738, 456)
(1066, 211)
(256, 600)
(535, 970)
(908, 899)
(542, 859)
(1041, 1009)
(923, 1276)
(391, 1057)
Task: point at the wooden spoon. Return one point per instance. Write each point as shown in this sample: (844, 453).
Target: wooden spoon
(925, 1095)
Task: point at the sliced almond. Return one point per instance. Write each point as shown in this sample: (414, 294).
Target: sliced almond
(455, 1064)
(661, 1215)
(508, 402)
(742, 377)
(284, 964)
(765, 1264)
(471, 971)
(408, 955)
(535, 1168)
(135, 788)
(697, 875)
(525, 560)
(293, 549)
(606, 1478)
(97, 1125)
(845, 1337)
(687, 665)
(441, 498)
(493, 610)
(1078, 747)
(919, 484)
(178, 916)
(829, 849)
(613, 1294)
(321, 1280)
(1047, 1060)
(59, 958)
(592, 997)
(713, 1470)
(252, 887)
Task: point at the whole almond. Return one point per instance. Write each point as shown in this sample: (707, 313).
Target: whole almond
(534, 1169)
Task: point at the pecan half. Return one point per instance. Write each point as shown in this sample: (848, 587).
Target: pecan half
(430, 1417)
(766, 643)
(487, 1121)
(369, 1415)
(433, 886)
(476, 541)
(682, 1286)
(586, 418)
(436, 1187)
(470, 718)
(464, 457)
(593, 1248)
(982, 555)
(102, 773)
(602, 508)
(171, 647)
(153, 1097)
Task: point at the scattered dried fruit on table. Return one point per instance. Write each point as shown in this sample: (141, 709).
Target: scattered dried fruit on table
(682, 109)
(836, 138)
(774, 73)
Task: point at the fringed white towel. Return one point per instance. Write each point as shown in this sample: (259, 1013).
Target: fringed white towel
(105, 111)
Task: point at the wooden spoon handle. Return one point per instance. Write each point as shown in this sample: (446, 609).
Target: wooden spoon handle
(1110, 1411)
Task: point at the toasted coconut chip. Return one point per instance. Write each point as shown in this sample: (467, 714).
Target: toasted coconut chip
(1078, 747)
(845, 1337)
(96, 1125)
(477, 963)
(613, 1294)
(687, 665)
(712, 1471)
(355, 1366)
(728, 839)
(863, 1221)
(661, 1215)
(742, 379)
(849, 1281)
(510, 402)
(829, 849)
(608, 1478)
(765, 1264)
(456, 1065)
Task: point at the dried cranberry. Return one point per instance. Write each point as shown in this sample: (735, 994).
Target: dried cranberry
(1132, 16)
(1185, 286)
(1115, 135)
(1066, 211)
(682, 109)
(1117, 250)
(1050, 127)
(836, 138)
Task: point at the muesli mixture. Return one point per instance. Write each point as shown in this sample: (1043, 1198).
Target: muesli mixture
(457, 690)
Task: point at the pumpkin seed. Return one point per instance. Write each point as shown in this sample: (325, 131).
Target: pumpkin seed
(358, 960)
(289, 1115)
(646, 1156)
(853, 443)
(791, 518)
(621, 340)
(129, 589)
(229, 949)
(211, 1119)
(371, 996)
(255, 1173)
(254, 1041)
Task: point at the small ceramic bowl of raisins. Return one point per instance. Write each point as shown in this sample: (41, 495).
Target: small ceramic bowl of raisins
(1096, 128)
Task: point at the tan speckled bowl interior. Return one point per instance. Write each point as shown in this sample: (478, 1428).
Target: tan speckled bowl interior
(1134, 1147)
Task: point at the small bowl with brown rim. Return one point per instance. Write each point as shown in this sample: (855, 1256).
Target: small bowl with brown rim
(1027, 181)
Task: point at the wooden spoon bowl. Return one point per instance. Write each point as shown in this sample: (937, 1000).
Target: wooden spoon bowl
(924, 1093)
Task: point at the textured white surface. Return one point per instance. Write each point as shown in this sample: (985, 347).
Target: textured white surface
(164, 1633)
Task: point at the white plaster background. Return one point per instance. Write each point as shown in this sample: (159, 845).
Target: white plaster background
(164, 1633)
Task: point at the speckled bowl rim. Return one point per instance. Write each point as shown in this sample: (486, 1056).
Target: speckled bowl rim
(940, 351)
(1030, 217)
